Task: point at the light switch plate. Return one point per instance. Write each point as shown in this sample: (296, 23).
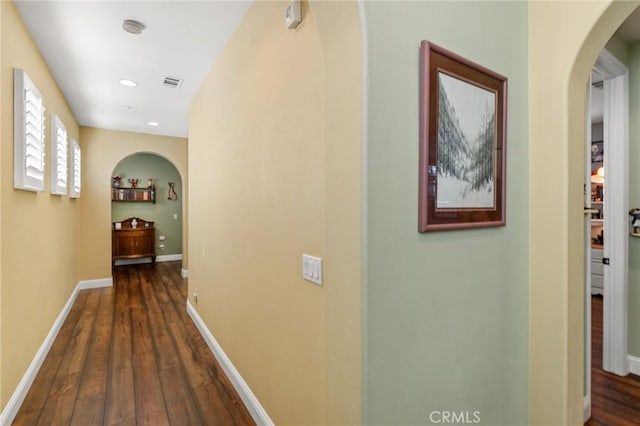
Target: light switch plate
(312, 269)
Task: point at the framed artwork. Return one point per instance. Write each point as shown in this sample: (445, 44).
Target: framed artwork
(463, 122)
(597, 156)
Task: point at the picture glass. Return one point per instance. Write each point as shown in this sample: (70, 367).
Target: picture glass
(597, 156)
(462, 155)
(466, 145)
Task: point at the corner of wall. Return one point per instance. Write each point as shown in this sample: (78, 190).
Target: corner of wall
(341, 30)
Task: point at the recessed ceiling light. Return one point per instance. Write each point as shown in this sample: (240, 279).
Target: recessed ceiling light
(127, 107)
(153, 123)
(128, 83)
(132, 26)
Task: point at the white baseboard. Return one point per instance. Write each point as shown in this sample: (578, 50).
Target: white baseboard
(102, 282)
(586, 415)
(11, 409)
(256, 410)
(168, 257)
(184, 273)
(634, 364)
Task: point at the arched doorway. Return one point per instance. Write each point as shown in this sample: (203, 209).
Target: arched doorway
(165, 210)
(564, 40)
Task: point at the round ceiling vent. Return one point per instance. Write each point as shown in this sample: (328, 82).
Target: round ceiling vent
(132, 26)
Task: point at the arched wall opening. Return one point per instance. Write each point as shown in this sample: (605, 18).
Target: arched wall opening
(564, 42)
(166, 211)
(102, 150)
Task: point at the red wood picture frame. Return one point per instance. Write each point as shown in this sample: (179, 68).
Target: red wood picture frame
(463, 128)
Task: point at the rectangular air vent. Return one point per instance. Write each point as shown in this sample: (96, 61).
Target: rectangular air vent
(172, 82)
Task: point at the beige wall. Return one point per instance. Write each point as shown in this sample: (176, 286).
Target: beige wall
(38, 231)
(274, 153)
(74, 239)
(102, 150)
(341, 32)
(2, 398)
(564, 41)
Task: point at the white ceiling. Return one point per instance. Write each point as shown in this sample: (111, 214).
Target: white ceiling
(88, 53)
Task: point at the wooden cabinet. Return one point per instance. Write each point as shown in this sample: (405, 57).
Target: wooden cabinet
(131, 239)
(597, 271)
(597, 234)
(597, 216)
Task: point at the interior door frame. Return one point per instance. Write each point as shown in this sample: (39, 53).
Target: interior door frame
(616, 205)
(587, 254)
(615, 357)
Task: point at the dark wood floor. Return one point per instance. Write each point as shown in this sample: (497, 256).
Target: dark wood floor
(132, 356)
(615, 400)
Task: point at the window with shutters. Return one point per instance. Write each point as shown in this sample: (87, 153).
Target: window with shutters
(75, 161)
(29, 131)
(59, 156)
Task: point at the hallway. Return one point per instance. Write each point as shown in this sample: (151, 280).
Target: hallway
(130, 355)
(615, 400)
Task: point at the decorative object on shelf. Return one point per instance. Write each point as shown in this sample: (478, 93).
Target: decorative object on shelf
(172, 192)
(134, 183)
(598, 176)
(597, 192)
(134, 223)
(116, 180)
(463, 127)
(635, 212)
(599, 239)
(150, 182)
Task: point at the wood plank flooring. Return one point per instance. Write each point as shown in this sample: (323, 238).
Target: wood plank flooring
(130, 355)
(615, 400)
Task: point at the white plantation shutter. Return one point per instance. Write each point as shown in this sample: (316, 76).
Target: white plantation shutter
(75, 170)
(29, 131)
(59, 156)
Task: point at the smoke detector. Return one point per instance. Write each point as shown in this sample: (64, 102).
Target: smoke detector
(132, 26)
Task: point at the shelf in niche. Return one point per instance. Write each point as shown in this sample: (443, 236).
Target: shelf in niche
(138, 195)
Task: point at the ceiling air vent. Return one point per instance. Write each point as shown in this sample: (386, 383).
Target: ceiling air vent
(172, 82)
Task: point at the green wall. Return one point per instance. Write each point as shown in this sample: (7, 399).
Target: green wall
(446, 313)
(618, 48)
(634, 198)
(142, 166)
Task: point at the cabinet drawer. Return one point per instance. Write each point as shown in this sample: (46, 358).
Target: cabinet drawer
(136, 242)
(597, 268)
(597, 255)
(134, 234)
(597, 281)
